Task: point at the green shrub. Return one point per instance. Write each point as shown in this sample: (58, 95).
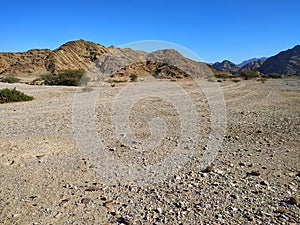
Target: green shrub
(67, 78)
(248, 74)
(13, 95)
(133, 77)
(272, 75)
(10, 79)
(211, 80)
(115, 81)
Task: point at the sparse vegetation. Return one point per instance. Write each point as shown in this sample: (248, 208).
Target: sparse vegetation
(115, 81)
(272, 75)
(248, 74)
(67, 78)
(133, 77)
(13, 95)
(211, 80)
(10, 79)
(87, 89)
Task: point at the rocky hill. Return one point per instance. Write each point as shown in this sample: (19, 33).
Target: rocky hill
(253, 65)
(245, 62)
(286, 62)
(72, 55)
(106, 61)
(226, 66)
(22, 64)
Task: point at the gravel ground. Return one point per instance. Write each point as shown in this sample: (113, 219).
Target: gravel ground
(48, 174)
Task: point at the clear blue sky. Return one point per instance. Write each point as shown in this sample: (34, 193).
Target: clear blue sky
(213, 29)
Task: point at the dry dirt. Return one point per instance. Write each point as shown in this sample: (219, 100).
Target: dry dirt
(47, 177)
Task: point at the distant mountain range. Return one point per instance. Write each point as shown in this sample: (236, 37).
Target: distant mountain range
(284, 63)
(122, 62)
(244, 63)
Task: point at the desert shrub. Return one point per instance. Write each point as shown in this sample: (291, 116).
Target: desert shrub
(10, 79)
(133, 77)
(37, 81)
(87, 89)
(223, 75)
(272, 75)
(13, 95)
(248, 74)
(67, 78)
(211, 80)
(49, 79)
(116, 81)
(235, 80)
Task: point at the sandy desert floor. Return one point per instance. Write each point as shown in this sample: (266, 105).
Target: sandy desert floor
(48, 175)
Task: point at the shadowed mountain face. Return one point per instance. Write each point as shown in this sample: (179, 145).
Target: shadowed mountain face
(285, 62)
(226, 66)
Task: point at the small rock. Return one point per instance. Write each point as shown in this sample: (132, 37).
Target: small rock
(177, 177)
(209, 169)
(63, 202)
(92, 188)
(85, 201)
(109, 203)
(254, 173)
(280, 210)
(123, 220)
(265, 183)
(112, 149)
(234, 196)
(159, 210)
(294, 200)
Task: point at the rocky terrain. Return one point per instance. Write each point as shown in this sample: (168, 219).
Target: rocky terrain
(154, 151)
(88, 56)
(226, 66)
(286, 62)
(48, 177)
(254, 65)
(245, 62)
(85, 55)
(33, 63)
(30, 63)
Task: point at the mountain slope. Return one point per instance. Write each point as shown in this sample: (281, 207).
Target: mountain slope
(100, 61)
(226, 66)
(22, 64)
(286, 62)
(245, 62)
(254, 65)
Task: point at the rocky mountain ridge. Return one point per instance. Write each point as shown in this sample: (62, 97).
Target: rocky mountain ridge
(85, 55)
(285, 62)
(81, 55)
(245, 62)
(226, 66)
